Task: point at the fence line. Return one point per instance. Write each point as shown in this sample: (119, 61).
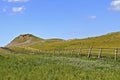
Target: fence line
(88, 52)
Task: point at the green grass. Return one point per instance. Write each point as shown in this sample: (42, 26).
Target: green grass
(105, 41)
(26, 63)
(106, 52)
(56, 67)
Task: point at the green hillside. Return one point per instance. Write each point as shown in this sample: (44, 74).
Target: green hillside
(111, 40)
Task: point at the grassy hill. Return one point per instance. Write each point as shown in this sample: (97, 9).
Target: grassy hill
(111, 40)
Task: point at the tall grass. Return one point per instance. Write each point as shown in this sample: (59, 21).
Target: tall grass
(54, 67)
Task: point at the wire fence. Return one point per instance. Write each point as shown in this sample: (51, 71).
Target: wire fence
(88, 52)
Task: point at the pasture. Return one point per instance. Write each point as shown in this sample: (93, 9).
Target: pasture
(56, 67)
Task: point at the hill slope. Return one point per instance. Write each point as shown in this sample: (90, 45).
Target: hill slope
(29, 39)
(24, 39)
(111, 40)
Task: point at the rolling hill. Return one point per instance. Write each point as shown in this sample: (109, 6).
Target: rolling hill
(110, 40)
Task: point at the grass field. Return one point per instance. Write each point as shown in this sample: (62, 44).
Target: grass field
(28, 57)
(56, 67)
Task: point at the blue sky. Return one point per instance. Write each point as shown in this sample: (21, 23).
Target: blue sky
(58, 18)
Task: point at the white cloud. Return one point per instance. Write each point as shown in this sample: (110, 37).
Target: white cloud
(14, 7)
(18, 9)
(92, 17)
(16, 0)
(115, 5)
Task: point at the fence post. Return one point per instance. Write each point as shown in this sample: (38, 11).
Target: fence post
(53, 51)
(72, 51)
(59, 52)
(79, 51)
(89, 52)
(99, 56)
(116, 52)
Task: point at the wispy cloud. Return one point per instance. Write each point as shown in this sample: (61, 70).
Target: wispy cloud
(13, 8)
(17, 0)
(92, 17)
(115, 5)
(18, 9)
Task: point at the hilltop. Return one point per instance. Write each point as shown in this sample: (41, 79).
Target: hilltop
(24, 39)
(111, 40)
(29, 39)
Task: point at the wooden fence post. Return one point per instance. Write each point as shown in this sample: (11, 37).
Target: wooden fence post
(79, 51)
(100, 53)
(53, 51)
(58, 51)
(89, 52)
(116, 52)
(72, 51)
